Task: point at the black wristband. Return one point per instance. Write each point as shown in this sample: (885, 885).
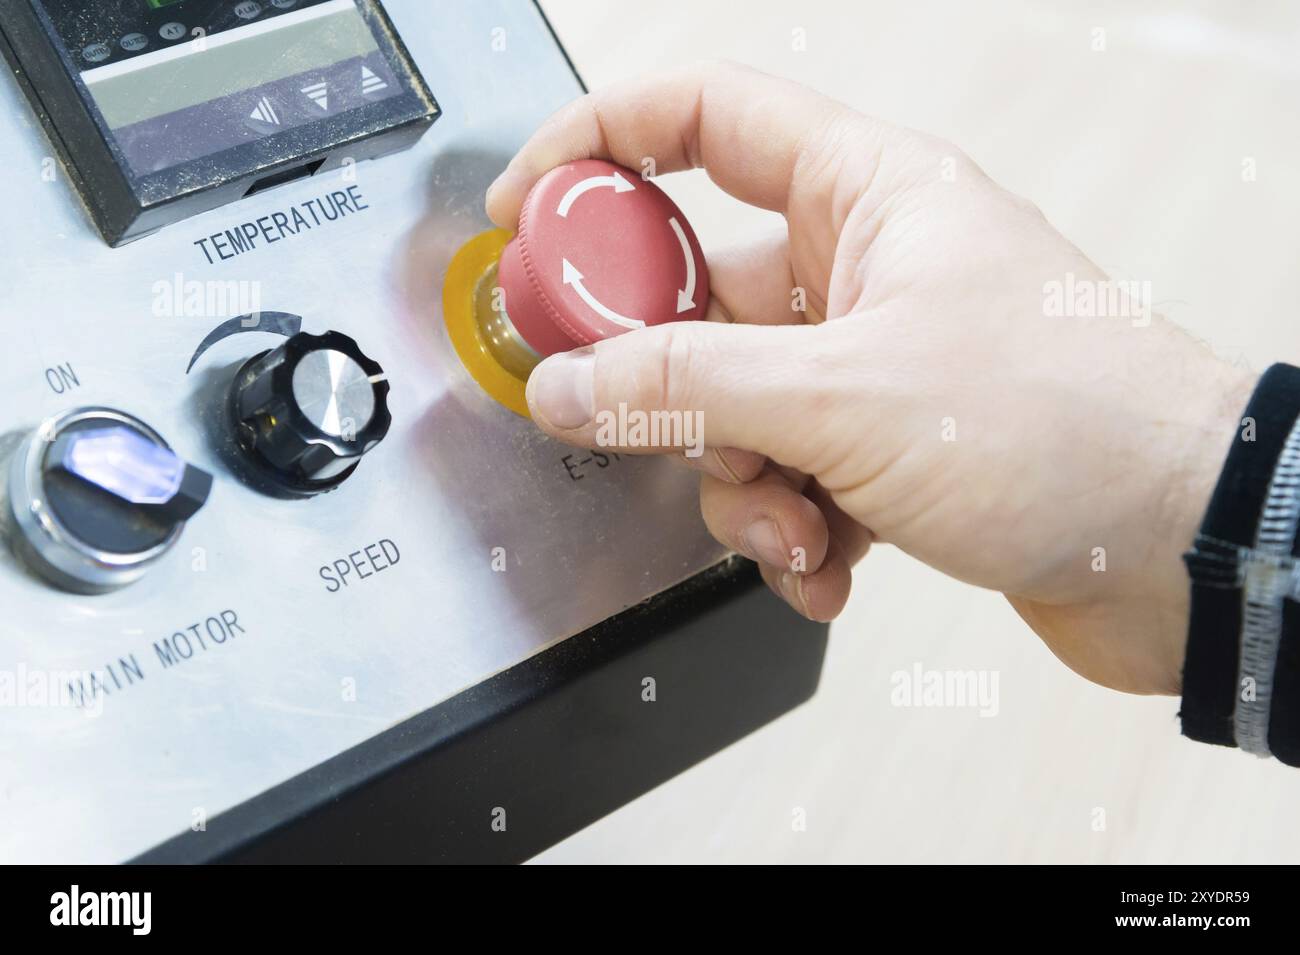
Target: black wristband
(1218, 565)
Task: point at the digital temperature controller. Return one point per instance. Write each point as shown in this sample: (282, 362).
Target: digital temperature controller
(165, 108)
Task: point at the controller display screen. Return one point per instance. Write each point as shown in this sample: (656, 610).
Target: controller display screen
(178, 80)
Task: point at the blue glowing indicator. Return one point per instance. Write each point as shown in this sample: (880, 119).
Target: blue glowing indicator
(124, 462)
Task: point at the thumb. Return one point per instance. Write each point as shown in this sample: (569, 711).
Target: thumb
(684, 385)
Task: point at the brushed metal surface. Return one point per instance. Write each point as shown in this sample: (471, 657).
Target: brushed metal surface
(500, 551)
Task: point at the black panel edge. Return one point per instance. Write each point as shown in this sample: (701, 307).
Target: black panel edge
(48, 88)
(548, 746)
(564, 51)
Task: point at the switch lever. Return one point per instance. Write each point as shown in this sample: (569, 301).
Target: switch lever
(128, 465)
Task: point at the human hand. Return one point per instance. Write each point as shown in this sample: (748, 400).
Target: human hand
(925, 398)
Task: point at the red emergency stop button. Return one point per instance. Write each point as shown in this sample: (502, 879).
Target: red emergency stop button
(600, 251)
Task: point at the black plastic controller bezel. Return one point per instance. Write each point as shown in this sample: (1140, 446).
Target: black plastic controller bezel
(125, 206)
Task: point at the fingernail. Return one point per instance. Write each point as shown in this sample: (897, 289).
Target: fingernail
(561, 389)
(792, 590)
(498, 185)
(763, 541)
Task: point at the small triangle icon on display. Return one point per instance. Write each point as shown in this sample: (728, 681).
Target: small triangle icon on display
(319, 94)
(370, 81)
(265, 112)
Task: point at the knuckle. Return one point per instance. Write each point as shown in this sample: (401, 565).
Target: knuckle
(719, 65)
(947, 148)
(938, 148)
(677, 359)
(1028, 207)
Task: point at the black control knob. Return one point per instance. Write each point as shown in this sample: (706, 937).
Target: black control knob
(304, 413)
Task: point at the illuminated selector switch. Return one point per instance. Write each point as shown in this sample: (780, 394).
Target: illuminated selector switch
(600, 251)
(303, 414)
(96, 497)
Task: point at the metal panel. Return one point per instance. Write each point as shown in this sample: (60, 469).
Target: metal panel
(306, 673)
(544, 748)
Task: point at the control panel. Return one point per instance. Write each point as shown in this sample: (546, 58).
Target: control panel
(259, 506)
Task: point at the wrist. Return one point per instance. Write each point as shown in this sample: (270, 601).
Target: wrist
(1199, 452)
(1128, 631)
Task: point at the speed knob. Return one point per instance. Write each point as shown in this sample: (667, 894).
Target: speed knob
(304, 413)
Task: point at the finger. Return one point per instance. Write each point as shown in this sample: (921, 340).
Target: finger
(818, 596)
(726, 464)
(766, 520)
(822, 594)
(697, 383)
(753, 284)
(853, 538)
(748, 129)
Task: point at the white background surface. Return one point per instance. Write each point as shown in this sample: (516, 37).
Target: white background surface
(1136, 154)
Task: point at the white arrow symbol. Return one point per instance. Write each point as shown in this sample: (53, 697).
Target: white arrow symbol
(685, 296)
(573, 277)
(594, 182)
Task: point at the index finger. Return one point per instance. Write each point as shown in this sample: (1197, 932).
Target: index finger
(749, 130)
